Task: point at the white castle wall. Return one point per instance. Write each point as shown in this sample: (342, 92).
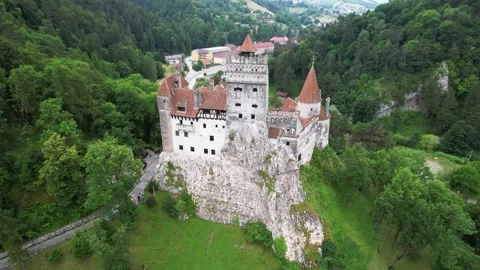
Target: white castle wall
(307, 109)
(198, 136)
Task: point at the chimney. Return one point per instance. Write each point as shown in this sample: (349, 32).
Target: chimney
(197, 98)
(327, 105)
(212, 84)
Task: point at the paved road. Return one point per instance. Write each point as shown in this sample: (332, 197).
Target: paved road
(148, 174)
(193, 75)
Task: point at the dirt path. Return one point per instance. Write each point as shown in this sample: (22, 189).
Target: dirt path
(434, 166)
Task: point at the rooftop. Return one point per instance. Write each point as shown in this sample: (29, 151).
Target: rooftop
(247, 46)
(310, 90)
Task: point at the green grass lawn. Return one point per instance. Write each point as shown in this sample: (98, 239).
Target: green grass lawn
(160, 242)
(349, 223)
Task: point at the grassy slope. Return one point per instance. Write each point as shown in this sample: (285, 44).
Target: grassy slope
(161, 242)
(254, 6)
(350, 225)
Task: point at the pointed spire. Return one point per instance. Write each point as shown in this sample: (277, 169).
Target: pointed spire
(310, 90)
(247, 46)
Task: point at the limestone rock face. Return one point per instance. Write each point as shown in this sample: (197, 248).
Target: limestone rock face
(252, 181)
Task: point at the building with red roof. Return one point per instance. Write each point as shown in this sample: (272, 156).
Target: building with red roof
(197, 122)
(279, 40)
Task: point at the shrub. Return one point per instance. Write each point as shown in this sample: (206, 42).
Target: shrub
(185, 205)
(466, 179)
(152, 184)
(81, 247)
(331, 258)
(151, 202)
(169, 206)
(429, 142)
(236, 221)
(258, 233)
(55, 256)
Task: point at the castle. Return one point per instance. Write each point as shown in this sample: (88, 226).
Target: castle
(199, 122)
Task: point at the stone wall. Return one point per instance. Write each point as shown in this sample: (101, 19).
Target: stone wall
(52, 239)
(254, 181)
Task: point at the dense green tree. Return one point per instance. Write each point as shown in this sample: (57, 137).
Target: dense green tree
(25, 83)
(61, 173)
(459, 140)
(357, 170)
(53, 119)
(466, 178)
(371, 135)
(364, 109)
(111, 171)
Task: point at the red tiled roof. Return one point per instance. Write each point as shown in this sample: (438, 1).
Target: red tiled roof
(282, 94)
(261, 45)
(307, 120)
(166, 87)
(323, 115)
(310, 90)
(215, 99)
(273, 132)
(289, 105)
(184, 98)
(247, 45)
(279, 39)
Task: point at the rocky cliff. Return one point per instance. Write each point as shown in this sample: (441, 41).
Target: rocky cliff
(252, 181)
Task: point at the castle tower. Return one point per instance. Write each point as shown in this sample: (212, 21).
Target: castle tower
(309, 100)
(247, 86)
(164, 104)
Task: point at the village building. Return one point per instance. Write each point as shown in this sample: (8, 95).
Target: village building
(207, 53)
(198, 122)
(264, 47)
(279, 40)
(173, 59)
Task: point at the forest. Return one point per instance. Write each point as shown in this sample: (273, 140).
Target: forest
(77, 102)
(81, 75)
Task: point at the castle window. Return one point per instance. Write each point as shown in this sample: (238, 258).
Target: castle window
(192, 149)
(181, 122)
(191, 123)
(180, 147)
(204, 125)
(238, 104)
(185, 134)
(205, 151)
(253, 116)
(254, 106)
(288, 143)
(164, 101)
(240, 115)
(299, 157)
(255, 90)
(211, 138)
(181, 109)
(213, 152)
(223, 126)
(216, 126)
(237, 89)
(177, 133)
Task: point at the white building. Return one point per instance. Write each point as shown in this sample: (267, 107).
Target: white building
(173, 59)
(198, 122)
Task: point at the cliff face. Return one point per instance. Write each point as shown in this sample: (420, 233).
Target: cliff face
(252, 181)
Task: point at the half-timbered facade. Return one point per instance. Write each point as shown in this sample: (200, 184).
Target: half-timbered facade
(198, 122)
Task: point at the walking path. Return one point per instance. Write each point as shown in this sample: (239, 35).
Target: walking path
(61, 235)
